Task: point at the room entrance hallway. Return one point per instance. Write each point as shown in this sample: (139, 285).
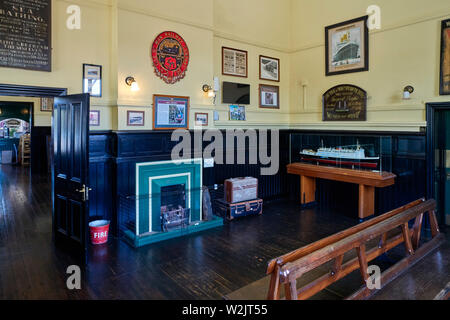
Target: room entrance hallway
(208, 265)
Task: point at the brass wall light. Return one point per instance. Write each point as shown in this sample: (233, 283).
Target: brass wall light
(407, 92)
(131, 82)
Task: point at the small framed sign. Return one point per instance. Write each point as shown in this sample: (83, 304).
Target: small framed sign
(92, 80)
(269, 96)
(234, 62)
(94, 118)
(269, 68)
(47, 104)
(135, 118)
(170, 112)
(201, 119)
(237, 113)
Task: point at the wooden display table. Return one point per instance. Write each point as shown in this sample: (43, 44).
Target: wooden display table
(367, 181)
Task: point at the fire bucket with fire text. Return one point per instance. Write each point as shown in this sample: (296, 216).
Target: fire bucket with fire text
(99, 231)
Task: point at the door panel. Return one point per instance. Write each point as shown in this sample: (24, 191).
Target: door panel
(70, 132)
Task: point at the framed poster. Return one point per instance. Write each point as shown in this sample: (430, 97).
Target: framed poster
(47, 104)
(170, 112)
(201, 119)
(347, 47)
(444, 83)
(25, 33)
(237, 113)
(345, 103)
(234, 62)
(94, 118)
(269, 96)
(135, 118)
(269, 68)
(92, 80)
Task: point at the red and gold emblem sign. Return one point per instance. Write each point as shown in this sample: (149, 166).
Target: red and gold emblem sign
(170, 56)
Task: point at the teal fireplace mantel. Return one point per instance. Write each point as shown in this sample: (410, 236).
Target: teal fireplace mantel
(151, 178)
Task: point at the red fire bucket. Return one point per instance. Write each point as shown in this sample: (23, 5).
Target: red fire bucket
(99, 231)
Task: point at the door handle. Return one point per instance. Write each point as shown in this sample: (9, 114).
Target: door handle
(85, 192)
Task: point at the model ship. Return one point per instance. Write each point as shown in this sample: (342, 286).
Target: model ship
(344, 156)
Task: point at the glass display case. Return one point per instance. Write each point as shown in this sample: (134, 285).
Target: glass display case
(363, 152)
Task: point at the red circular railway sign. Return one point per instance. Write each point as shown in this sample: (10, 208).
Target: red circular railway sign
(170, 56)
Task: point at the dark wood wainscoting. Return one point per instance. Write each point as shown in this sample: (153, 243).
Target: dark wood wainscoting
(114, 156)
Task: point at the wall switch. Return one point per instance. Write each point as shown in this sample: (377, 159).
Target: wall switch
(208, 163)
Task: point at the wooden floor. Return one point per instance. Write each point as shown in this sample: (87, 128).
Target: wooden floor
(208, 265)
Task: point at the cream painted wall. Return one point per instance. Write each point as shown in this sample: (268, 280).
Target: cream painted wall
(405, 51)
(117, 34)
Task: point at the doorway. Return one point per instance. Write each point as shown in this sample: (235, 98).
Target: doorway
(438, 158)
(16, 121)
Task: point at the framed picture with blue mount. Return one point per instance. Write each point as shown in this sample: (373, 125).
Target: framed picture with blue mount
(347, 47)
(170, 112)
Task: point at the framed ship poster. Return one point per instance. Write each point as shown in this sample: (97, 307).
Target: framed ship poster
(234, 62)
(444, 87)
(170, 112)
(347, 47)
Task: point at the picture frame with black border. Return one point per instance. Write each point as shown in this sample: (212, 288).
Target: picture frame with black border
(170, 112)
(347, 47)
(269, 96)
(94, 118)
(135, 118)
(92, 80)
(269, 68)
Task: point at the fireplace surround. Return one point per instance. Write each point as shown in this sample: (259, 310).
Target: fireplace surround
(167, 202)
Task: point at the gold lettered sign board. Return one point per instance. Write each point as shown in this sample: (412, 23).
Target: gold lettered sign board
(345, 103)
(25, 34)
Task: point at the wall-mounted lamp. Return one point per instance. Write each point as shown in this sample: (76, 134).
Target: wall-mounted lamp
(1, 111)
(131, 82)
(407, 92)
(208, 89)
(212, 91)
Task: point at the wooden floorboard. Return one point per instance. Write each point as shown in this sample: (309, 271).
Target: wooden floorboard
(208, 265)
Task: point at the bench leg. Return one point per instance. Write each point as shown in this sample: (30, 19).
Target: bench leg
(366, 206)
(307, 189)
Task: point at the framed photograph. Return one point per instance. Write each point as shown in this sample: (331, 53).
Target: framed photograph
(347, 47)
(170, 112)
(201, 119)
(444, 87)
(269, 68)
(135, 118)
(237, 113)
(47, 104)
(269, 96)
(234, 62)
(94, 118)
(92, 80)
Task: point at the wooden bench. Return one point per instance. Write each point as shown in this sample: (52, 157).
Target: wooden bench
(285, 270)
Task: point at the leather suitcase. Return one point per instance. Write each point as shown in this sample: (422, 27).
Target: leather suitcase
(240, 189)
(240, 209)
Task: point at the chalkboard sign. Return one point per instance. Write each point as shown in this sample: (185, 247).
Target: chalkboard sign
(25, 34)
(345, 103)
